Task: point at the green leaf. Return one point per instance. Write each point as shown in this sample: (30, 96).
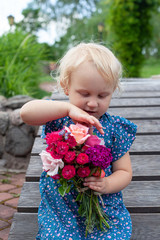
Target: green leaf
(61, 191)
(80, 210)
(78, 197)
(68, 189)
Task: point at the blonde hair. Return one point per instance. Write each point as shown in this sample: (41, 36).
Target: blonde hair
(105, 61)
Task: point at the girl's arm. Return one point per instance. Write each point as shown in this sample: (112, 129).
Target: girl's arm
(118, 180)
(38, 112)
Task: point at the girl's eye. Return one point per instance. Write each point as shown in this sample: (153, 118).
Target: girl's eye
(102, 96)
(84, 94)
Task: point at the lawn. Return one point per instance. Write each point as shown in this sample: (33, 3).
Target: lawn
(151, 67)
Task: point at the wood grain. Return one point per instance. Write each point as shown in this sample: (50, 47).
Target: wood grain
(145, 226)
(139, 101)
(139, 196)
(144, 144)
(145, 167)
(144, 127)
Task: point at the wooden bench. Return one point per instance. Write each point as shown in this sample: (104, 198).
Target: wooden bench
(141, 104)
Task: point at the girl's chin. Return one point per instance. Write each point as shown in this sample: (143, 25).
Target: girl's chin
(94, 114)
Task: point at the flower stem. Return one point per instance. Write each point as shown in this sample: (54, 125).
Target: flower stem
(90, 214)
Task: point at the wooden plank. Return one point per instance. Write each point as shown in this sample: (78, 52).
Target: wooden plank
(140, 87)
(152, 79)
(134, 113)
(24, 226)
(142, 197)
(144, 144)
(119, 101)
(38, 146)
(145, 167)
(133, 102)
(145, 226)
(146, 94)
(148, 126)
(34, 169)
(139, 196)
(144, 127)
(117, 94)
(147, 144)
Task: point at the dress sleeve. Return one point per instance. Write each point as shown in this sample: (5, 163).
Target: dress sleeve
(123, 135)
(54, 125)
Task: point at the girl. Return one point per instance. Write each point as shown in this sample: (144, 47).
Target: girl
(88, 74)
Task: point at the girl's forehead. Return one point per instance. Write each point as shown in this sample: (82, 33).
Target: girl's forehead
(88, 71)
(88, 77)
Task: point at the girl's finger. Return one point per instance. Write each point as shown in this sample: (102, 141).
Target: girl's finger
(93, 179)
(98, 125)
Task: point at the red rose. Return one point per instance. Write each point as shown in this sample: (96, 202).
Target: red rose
(55, 155)
(71, 141)
(53, 137)
(82, 159)
(69, 157)
(83, 172)
(56, 177)
(62, 148)
(68, 171)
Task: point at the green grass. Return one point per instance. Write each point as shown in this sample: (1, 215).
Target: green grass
(151, 67)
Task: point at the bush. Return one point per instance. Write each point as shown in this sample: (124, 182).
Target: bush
(20, 72)
(131, 31)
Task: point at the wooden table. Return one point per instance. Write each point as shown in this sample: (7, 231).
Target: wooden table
(140, 103)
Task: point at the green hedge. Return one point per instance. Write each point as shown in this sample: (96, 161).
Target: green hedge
(20, 71)
(131, 31)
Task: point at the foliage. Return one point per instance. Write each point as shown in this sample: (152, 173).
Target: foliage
(39, 13)
(154, 48)
(32, 20)
(85, 30)
(150, 68)
(19, 64)
(131, 31)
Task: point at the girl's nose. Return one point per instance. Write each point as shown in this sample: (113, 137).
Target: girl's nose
(92, 103)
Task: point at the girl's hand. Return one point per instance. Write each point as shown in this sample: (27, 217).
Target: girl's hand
(81, 116)
(97, 184)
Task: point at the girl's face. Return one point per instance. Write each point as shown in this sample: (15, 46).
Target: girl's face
(89, 91)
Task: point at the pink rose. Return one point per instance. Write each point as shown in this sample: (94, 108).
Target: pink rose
(50, 164)
(94, 140)
(68, 171)
(82, 158)
(83, 172)
(79, 131)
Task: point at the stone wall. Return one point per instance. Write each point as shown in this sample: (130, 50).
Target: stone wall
(16, 137)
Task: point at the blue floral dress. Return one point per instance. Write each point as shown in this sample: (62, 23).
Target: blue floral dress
(58, 216)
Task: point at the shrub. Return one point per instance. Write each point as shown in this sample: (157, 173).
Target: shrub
(20, 72)
(131, 31)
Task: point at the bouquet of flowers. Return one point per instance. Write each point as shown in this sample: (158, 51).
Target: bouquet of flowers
(73, 154)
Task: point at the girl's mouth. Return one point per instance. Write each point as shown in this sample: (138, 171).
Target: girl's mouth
(90, 112)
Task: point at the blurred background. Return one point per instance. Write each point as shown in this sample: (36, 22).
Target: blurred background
(34, 35)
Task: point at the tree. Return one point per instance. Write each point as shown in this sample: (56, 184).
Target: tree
(131, 31)
(40, 12)
(32, 20)
(153, 49)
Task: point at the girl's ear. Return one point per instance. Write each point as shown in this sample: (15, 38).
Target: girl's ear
(66, 91)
